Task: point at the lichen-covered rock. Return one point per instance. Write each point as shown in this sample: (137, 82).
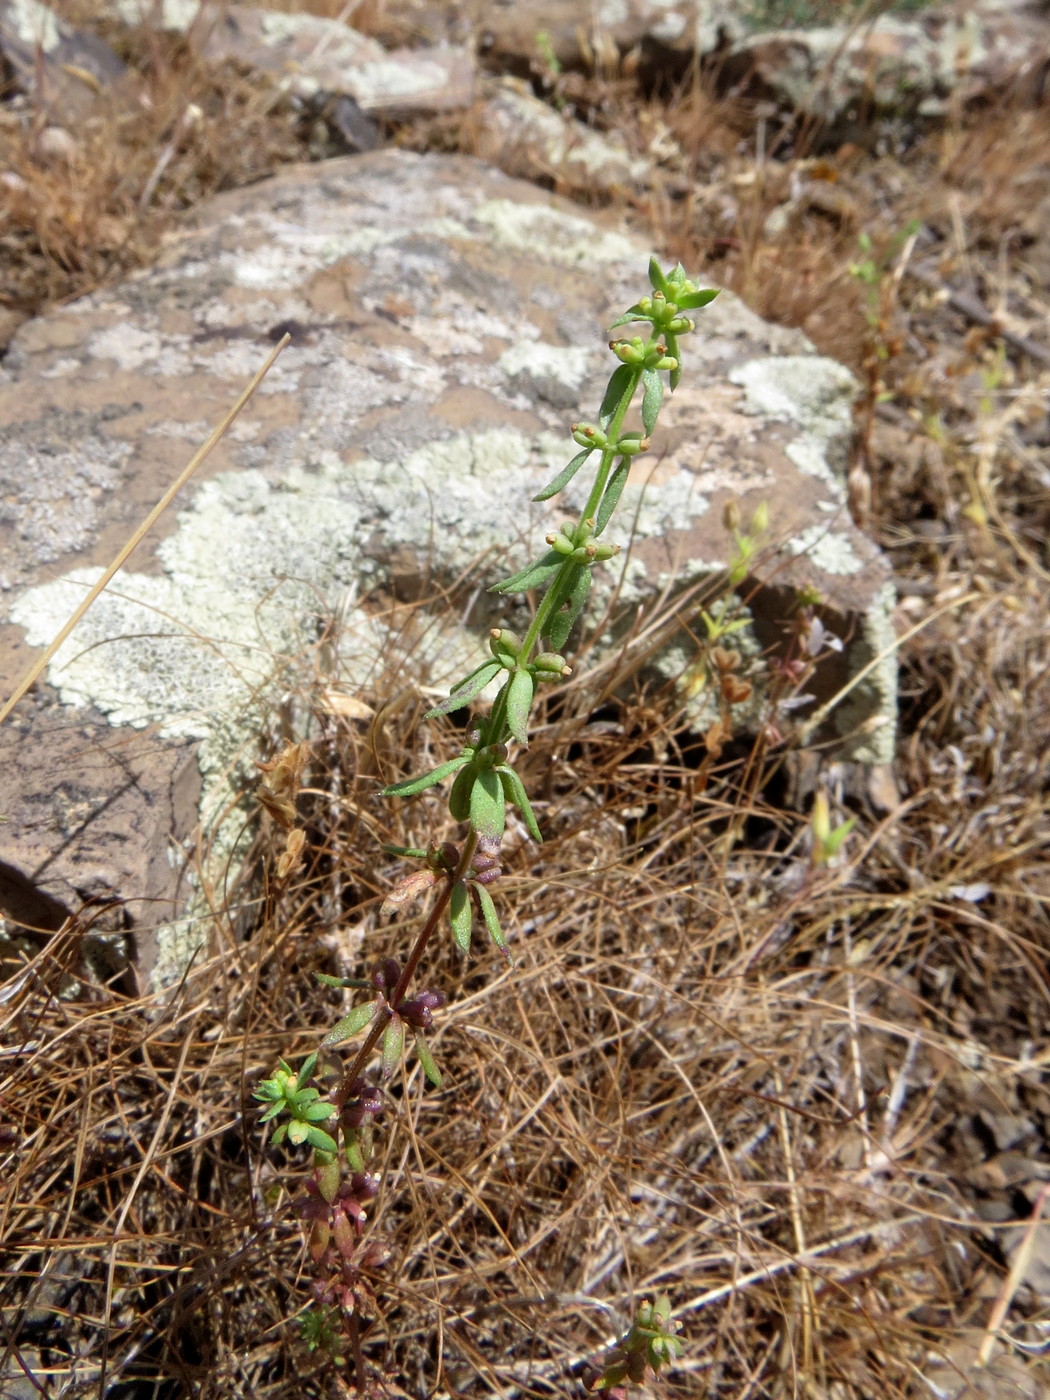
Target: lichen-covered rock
(527, 137)
(903, 64)
(447, 327)
(308, 55)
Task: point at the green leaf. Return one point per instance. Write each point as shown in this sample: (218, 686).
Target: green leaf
(459, 916)
(691, 300)
(411, 786)
(426, 1059)
(318, 1138)
(459, 796)
(613, 492)
(488, 913)
(520, 690)
(532, 576)
(280, 1135)
(467, 689)
(351, 1024)
(622, 383)
(319, 1112)
(393, 1045)
(652, 398)
(488, 808)
(657, 280)
(514, 790)
(562, 623)
(631, 316)
(564, 476)
(341, 982)
(305, 1071)
(672, 349)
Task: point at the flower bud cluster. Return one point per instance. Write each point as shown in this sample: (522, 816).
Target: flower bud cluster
(637, 353)
(486, 867)
(574, 542)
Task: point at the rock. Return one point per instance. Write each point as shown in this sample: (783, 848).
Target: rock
(309, 56)
(523, 33)
(448, 324)
(64, 70)
(526, 137)
(904, 65)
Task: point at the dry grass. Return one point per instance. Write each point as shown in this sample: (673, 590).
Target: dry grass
(802, 1104)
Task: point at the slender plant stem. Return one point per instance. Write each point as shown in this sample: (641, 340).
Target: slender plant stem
(382, 1019)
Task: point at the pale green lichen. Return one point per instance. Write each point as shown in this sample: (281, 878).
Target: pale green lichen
(867, 719)
(813, 393)
(829, 549)
(557, 236)
(175, 15)
(562, 368)
(32, 24)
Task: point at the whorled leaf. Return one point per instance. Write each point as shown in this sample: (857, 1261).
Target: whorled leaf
(514, 791)
(353, 1022)
(564, 476)
(468, 689)
(563, 621)
(459, 795)
(621, 383)
(520, 690)
(393, 1045)
(411, 786)
(426, 1059)
(652, 398)
(613, 492)
(532, 575)
(488, 807)
(459, 916)
(491, 918)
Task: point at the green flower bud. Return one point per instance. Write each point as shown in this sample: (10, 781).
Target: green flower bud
(588, 435)
(549, 665)
(605, 551)
(631, 444)
(681, 325)
(667, 362)
(560, 543)
(490, 755)
(631, 352)
(504, 643)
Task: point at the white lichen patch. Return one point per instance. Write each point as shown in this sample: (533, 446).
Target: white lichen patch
(132, 347)
(810, 391)
(829, 549)
(32, 24)
(57, 495)
(287, 256)
(867, 719)
(567, 365)
(552, 234)
(175, 15)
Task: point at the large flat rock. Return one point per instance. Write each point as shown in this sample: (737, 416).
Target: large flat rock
(448, 325)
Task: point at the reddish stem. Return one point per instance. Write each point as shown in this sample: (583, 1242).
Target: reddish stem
(395, 997)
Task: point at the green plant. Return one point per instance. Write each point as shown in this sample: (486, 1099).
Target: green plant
(484, 782)
(650, 1344)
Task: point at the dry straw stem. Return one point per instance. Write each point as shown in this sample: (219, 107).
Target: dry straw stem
(37, 668)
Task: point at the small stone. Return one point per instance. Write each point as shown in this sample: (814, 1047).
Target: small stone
(54, 145)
